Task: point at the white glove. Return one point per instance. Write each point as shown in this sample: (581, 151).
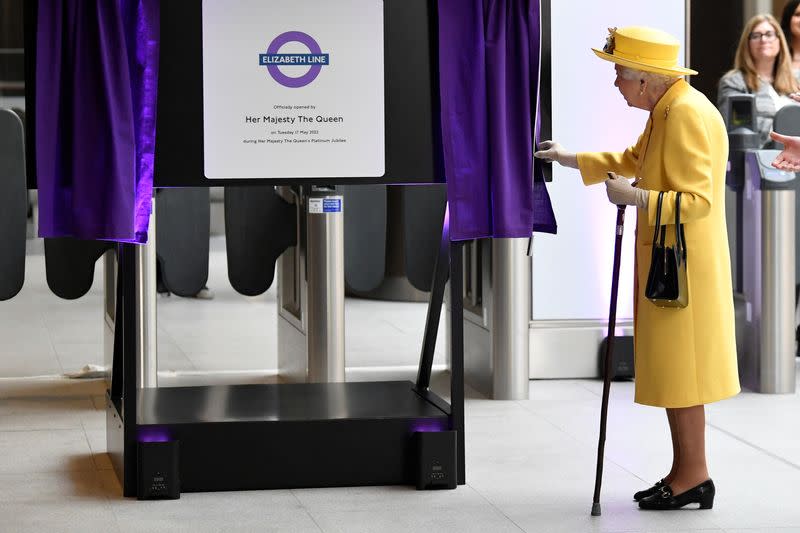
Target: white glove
(552, 151)
(620, 191)
(549, 151)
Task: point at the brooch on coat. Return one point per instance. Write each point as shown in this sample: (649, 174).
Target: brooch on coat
(609, 46)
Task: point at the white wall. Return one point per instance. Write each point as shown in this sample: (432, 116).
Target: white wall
(572, 270)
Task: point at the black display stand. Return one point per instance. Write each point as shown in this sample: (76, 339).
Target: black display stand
(270, 436)
(281, 436)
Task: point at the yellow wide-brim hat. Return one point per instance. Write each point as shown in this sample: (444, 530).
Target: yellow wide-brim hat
(642, 48)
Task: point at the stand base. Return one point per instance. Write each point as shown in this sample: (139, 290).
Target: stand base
(243, 437)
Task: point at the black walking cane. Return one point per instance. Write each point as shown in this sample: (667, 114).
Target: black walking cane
(612, 323)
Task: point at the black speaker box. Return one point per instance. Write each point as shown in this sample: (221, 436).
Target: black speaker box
(621, 358)
(436, 459)
(158, 474)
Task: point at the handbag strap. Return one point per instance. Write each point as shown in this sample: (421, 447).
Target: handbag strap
(680, 237)
(658, 223)
(658, 214)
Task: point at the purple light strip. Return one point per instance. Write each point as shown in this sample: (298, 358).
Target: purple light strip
(153, 434)
(429, 426)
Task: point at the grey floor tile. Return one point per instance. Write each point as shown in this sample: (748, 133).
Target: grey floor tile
(516, 435)
(25, 340)
(67, 517)
(546, 392)
(617, 516)
(447, 520)
(385, 498)
(42, 451)
(481, 407)
(67, 312)
(83, 330)
(299, 522)
(221, 511)
(404, 352)
(45, 413)
(95, 419)
(231, 358)
(18, 362)
(53, 487)
(172, 358)
(714, 530)
(74, 356)
(765, 530)
(547, 479)
(97, 444)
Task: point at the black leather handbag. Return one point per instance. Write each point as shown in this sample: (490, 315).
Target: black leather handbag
(666, 282)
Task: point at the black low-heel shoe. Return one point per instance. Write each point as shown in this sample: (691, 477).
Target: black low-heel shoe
(642, 494)
(664, 500)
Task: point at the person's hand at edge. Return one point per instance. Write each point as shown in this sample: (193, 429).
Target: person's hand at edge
(789, 158)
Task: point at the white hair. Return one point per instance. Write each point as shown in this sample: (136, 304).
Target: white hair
(657, 82)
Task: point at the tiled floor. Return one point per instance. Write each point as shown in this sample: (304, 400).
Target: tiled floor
(530, 464)
(45, 335)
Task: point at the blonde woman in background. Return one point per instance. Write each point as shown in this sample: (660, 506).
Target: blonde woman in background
(763, 67)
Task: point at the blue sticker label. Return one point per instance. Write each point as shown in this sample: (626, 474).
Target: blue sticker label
(331, 205)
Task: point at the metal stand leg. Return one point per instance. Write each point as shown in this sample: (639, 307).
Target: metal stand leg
(777, 374)
(146, 323)
(440, 275)
(122, 398)
(511, 313)
(325, 266)
(448, 263)
(457, 354)
(134, 359)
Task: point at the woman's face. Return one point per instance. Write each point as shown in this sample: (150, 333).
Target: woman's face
(630, 89)
(795, 24)
(764, 42)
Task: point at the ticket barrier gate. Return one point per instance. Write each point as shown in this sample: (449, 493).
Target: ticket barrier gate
(145, 310)
(497, 312)
(311, 290)
(13, 203)
(762, 225)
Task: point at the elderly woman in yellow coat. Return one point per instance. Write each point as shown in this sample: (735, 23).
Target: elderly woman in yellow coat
(684, 357)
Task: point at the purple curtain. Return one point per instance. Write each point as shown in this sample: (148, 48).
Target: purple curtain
(96, 86)
(489, 69)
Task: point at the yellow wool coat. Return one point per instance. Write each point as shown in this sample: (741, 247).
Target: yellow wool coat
(683, 357)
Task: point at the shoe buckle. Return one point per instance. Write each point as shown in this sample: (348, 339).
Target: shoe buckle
(665, 493)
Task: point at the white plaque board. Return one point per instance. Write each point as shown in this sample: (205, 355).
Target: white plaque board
(293, 89)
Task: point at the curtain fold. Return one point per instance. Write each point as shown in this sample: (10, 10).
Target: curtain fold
(97, 78)
(489, 73)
